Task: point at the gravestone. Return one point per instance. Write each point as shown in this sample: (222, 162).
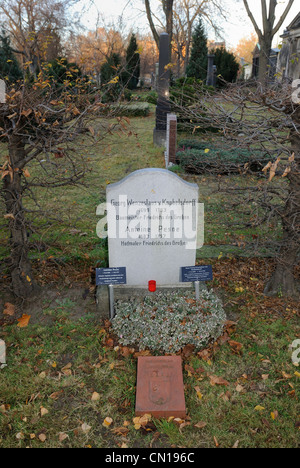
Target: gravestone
(155, 224)
(156, 76)
(210, 81)
(163, 107)
(170, 154)
(152, 226)
(160, 388)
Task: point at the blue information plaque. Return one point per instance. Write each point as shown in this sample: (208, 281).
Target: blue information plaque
(110, 276)
(196, 273)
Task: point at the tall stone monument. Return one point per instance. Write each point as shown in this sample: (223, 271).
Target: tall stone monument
(210, 70)
(163, 88)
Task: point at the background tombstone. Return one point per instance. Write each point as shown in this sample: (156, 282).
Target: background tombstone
(163, 84)
(210, 70)
(170, 155)
(156, 76)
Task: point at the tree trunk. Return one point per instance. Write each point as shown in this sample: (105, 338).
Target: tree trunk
(264, 59)
(23, 284)
(283, 281)
(151, 24)
(168, 9)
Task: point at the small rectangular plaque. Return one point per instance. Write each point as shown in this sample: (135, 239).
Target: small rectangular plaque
(110, 276)
(160, 390)
(196, 273)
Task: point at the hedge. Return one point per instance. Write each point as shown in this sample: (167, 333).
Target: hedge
(133, 110)
(220, 161)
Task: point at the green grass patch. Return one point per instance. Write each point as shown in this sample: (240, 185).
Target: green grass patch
(61, 366)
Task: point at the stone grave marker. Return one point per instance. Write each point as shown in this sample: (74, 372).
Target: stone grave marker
(155, 225)
(170, 154)
(210, 81)
(152, 217)
(160, 390)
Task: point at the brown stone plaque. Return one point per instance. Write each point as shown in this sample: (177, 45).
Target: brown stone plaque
(173, 141)
(160, 389)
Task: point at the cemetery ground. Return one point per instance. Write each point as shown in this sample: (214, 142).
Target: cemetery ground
(69, 383)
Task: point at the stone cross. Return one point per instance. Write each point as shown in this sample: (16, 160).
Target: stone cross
(163, 105)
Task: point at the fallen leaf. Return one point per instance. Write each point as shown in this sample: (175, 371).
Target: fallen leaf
(141, 421)
(215, 380)
(204, 354)
(200, 425)
(236, 347)
(178, 421)
(273, 169)
(27, 112)
(121, 431)
(259, 408)
(107, 422)
(23, 321)
(62, 436)
(44, 411)
(66, 370)
(42, 437)
(85, 428)
(55, 395)
(9, 309)
(125, 351)
(240, 389)
(286, 172)
(95, 396)
(292, 157)
(199, 394)
(267, 167)
(9, 216)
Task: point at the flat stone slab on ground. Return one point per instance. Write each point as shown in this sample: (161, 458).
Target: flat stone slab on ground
(160, 390)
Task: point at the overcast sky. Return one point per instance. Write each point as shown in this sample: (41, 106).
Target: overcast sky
(237, 25)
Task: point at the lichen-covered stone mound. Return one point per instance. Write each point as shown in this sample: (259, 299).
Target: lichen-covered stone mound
(166, 322)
